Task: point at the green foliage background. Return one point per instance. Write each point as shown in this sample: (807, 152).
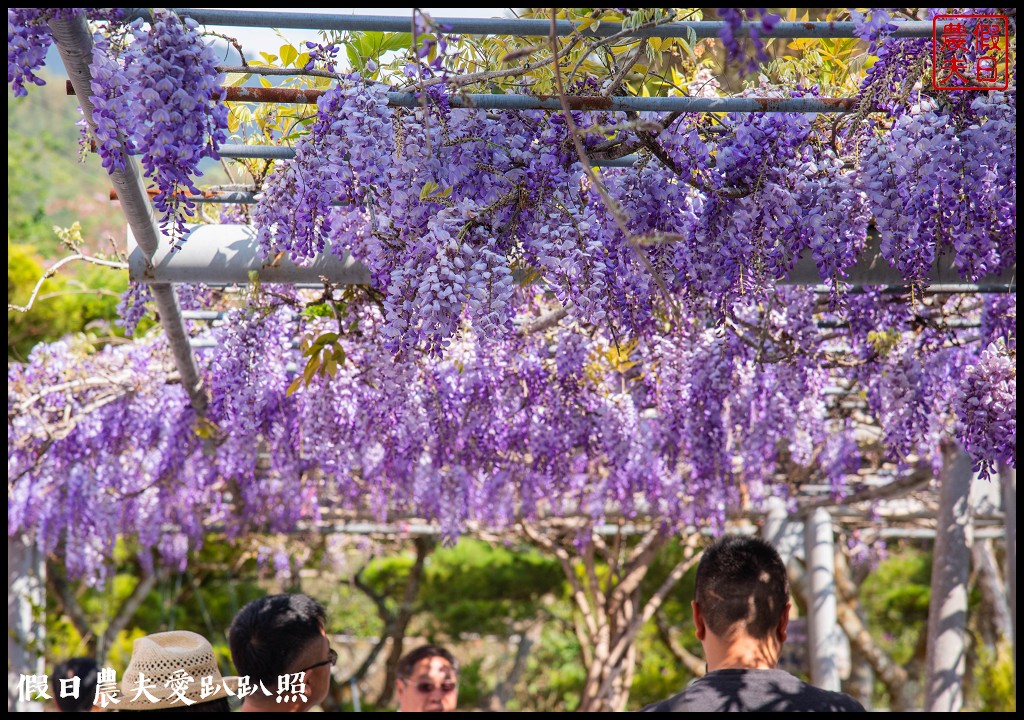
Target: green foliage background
(48, 187)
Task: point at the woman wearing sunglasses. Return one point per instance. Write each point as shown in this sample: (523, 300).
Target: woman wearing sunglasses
(428, 681)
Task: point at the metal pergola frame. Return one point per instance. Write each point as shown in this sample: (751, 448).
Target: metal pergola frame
(525, 27)
(150, 262)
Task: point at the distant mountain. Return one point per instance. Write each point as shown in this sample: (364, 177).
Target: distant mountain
(46, 183)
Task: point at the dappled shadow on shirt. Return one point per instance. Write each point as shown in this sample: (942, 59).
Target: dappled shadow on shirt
(755, 690)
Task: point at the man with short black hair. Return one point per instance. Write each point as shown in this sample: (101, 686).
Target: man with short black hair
(741, 611)
(277, 637)
(428, 680)
(78, 689)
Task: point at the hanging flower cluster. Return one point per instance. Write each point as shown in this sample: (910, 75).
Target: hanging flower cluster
(689, 426)
(157, 94)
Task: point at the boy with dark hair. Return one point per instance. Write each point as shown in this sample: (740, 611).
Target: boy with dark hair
(741, 612)
(427, 680)
(273, 639)
(79, 694)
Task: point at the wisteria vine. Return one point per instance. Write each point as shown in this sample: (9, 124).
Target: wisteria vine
(156, 92)
(676, 380)
(693, 426)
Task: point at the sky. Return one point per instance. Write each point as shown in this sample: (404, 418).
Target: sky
(255, 39)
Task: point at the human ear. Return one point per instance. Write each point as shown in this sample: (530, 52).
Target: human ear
(783, 625)
(700, 628)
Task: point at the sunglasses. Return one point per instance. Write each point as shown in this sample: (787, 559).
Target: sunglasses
(332, 657)
(426, 688)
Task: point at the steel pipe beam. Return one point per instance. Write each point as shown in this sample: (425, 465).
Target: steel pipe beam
(489, 101)
(616, 103)
(521, 27)
(228, 254)
(74, 42)
(279, 152)
(873, 269)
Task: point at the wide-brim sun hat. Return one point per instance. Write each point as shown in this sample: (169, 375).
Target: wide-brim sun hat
(164, 660)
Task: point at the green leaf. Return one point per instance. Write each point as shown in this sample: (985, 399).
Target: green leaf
(355, 62)
(288, 54)
(206, 428)
(269, 58)
(321, 342)
(687, 47)
(293, 387)
(369, 43)
(428, 189)
(236, 79)
(311, 367)
(318, 310)
(395, 41)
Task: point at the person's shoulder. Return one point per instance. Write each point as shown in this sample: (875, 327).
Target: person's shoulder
(660, 706)
(785, 692)
(688, 700)
(830, 701)
(676, 703)
(841, 702)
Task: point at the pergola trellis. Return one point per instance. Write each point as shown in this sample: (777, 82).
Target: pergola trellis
(229, 254)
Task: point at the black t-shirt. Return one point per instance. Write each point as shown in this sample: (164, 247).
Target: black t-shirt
(755, 690)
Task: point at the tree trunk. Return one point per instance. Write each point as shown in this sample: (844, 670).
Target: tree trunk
(400, 622)
(608, 620)
(894, 677)
(503, 690)
(996, 625)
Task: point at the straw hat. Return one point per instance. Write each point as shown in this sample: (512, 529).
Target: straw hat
(163, 659)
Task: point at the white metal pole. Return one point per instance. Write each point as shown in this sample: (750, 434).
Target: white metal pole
(1008, 480)
(25, 632)
(821, 601)
(947, 614)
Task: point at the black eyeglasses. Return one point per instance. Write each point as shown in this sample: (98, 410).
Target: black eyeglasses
(332, 657)
(426, 688)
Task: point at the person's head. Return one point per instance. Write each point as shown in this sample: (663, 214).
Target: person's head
(283, 634)
(428, 680)
(167, 672)
(742, 589)
(85, 669)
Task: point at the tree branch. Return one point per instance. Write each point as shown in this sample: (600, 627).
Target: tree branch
(626, 67)
(690, 559)
(562, 556)
(921, 474)
(548, 320)
(613, 209)
(692, 663)
(125, 613)
(403, 617)
(58, 585)
(53, 271)
(636, 567)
